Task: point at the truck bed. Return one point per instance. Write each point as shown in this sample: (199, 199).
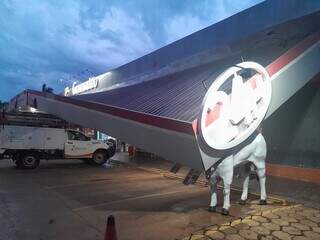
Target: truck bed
(26, 137)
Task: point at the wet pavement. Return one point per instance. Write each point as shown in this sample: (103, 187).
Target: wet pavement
(71, 200)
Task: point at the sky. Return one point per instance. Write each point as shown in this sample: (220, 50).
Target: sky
(58, 42)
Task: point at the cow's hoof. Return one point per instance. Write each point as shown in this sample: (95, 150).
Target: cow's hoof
(263, 202)
(225, 212)
(242, 202)
(212, 209)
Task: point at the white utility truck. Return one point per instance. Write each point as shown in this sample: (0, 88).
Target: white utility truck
(27, 144)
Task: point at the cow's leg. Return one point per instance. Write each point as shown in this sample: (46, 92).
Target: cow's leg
(261, 172)
(260, 163)
(244, 194)
(247, 169)
(227, 180)
(213, 189)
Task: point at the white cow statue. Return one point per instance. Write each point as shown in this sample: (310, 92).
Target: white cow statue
(254, 153)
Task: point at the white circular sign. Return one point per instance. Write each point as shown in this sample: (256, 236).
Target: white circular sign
(235, 105)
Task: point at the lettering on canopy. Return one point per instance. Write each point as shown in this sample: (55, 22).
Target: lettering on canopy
(92, 83)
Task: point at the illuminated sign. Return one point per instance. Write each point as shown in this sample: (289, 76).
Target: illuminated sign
(92, 83)
(234, 106)
(85, 86)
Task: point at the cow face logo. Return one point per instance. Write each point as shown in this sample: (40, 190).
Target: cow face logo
(235, 105)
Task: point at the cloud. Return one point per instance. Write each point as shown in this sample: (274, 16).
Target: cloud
(132, 38)
(204, 14)
(52, 41)
(44, 42)
(182, 25)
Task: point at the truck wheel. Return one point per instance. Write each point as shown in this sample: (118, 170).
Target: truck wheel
(15, 158)
(99, 157)
(111, 152)
(28, 161)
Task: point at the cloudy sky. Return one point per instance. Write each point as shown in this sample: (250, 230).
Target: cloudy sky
(60, 41)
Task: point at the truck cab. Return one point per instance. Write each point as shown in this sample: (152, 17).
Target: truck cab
(79, 146)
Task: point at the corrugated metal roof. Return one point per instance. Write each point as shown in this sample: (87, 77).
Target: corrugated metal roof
(179, 95)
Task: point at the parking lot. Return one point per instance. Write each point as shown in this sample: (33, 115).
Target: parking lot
(71, 200)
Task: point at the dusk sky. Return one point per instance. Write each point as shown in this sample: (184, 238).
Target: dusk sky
(55, 41)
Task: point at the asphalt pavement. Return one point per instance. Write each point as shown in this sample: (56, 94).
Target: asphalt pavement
(66, 199)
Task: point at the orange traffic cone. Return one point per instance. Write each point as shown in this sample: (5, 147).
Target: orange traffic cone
(111, 233)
